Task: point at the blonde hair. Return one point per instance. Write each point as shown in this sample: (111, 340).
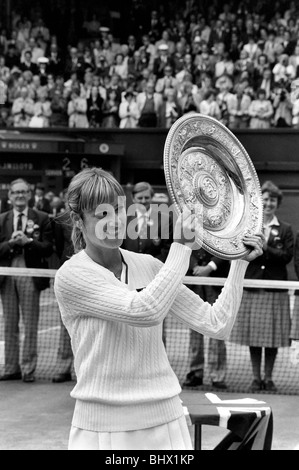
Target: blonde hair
(88, 189)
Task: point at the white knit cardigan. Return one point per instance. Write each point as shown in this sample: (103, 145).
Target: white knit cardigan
(124, 379)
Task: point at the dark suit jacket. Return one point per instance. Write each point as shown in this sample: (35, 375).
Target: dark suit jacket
(43, 205)
(273, 262)
(159, 236)
(35, 252)
(62, 228)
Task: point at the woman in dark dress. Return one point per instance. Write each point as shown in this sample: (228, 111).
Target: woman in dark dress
(264, 319)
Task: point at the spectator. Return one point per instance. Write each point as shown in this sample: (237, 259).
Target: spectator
(39, 201)
(167, 81)
(266, 82)
(74, 64)
(4, 70)
(28, 64)
(95, 108)
(264, 318)
(224, 84)
(204, 264)
(237, 107)
(6, 120)
(149, 103)
(282, 107)
(22, 109)
(76, 110)
(59, 103)
(260, 111)
(26, 240)
(55, 65)
(161, 61)
(120, 66)
(128, 111)
(187, 97)
(111, 110)
(283, 72)
(209, 105)
(170, 110)
(42, 110)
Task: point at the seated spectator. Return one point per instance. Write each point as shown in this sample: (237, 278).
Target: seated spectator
(76, 110)
(27, 63)
(237, 107)
(74, 64)
(294, 59)
(12, 57)
(167, 81)
(282, 106)
(42, 110)
(149, 103)
(128, 111)
(165, 39)
(59, 116)
(161, 61)
(252, 48)
(187, 70)
(260, 111)
(243, 64)
(107, 52)
(39, 201)
(111, 110)
(283, 70)
(4, 70)
(224, 84)
(187, 98)
(42, 63)
(5, 119)
(170, 110)
(22, 109)
(225, 66)
(115, 85)
(41, 32)
(209, 105)
(95, 108)
(55, 65)
(36, 48)
(120, 66)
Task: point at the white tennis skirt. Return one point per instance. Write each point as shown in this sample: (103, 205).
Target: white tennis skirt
(170, 436)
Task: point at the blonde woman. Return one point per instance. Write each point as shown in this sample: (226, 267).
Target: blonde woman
(113, 302)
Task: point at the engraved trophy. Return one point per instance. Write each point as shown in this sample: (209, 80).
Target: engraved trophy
(209, 171)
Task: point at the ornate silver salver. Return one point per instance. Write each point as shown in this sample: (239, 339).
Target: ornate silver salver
(209, 171)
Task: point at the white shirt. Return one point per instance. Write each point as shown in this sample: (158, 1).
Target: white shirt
(16, 218)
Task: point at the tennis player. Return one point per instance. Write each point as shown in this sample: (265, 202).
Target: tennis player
(113, 303)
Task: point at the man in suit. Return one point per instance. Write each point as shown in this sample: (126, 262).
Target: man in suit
(204, 264)
(26, 239)
(149, 230)
(39, 201)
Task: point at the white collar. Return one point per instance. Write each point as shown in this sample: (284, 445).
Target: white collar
(273, 221)
(16, 213)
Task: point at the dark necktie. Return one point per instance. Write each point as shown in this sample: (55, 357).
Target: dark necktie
(18, 250)
(19, 223)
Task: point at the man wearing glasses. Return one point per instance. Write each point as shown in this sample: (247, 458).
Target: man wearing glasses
(26, 239)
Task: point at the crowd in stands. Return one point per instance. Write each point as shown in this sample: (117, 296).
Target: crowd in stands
(235, 62)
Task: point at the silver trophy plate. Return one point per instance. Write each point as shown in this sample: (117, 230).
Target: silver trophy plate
(208, 170)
